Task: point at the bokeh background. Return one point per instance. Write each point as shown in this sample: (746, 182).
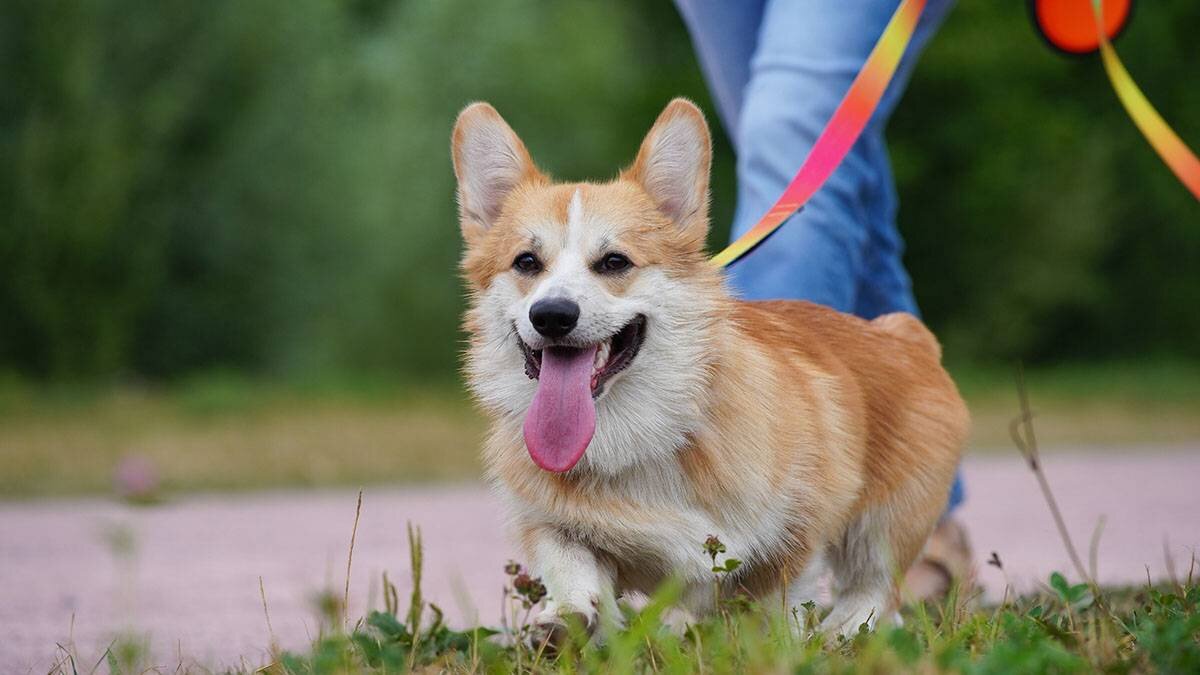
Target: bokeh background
(228, 246)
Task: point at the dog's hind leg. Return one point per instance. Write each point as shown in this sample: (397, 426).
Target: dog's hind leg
(864, 574)
(875, 551)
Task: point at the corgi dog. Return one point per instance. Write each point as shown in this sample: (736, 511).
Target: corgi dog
(637, 407)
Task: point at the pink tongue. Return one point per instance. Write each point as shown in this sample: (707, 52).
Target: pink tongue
(562, 417)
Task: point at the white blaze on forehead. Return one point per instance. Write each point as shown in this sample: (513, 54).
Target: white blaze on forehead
(575, 214)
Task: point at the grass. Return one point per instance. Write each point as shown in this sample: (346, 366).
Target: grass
(1070, 628)
(223, 432)
(1142, 630)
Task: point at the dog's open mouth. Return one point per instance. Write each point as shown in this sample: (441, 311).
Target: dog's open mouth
(611, 356)
(562, 416)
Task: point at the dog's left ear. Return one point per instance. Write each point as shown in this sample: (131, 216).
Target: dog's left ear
(673, 163)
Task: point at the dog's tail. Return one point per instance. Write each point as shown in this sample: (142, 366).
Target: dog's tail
(908, 327)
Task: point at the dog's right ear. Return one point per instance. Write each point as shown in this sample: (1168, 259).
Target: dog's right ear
(489, 162)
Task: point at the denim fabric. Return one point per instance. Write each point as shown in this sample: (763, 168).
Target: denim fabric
(777, 70)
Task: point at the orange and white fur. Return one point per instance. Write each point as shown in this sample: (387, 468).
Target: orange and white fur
(808, 440)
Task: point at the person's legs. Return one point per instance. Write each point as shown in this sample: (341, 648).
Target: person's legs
(808, 54)
(843, 249)
(777, 73)
(724, 35)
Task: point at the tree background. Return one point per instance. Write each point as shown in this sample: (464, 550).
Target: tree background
(265, 186)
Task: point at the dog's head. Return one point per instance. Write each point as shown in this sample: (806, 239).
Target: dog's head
(590, 303)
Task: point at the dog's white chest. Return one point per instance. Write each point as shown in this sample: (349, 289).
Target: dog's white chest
(662, 525)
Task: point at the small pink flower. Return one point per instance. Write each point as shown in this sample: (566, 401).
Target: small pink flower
(136, 479)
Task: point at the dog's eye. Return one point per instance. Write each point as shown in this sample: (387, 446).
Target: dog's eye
(613, 263)
(527, 263)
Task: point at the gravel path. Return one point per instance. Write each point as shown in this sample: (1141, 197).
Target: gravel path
(187, 573)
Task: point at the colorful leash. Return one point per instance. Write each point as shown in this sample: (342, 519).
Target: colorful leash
(839, 134)
(1162, 138)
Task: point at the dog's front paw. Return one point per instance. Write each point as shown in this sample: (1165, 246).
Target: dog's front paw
(553, 625)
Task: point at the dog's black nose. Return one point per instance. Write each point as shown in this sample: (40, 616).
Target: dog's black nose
(554, 317)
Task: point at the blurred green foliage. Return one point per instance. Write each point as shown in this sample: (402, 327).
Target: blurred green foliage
(266, 186)
(1040, 223)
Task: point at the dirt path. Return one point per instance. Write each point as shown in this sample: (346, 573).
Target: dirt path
(190, 576)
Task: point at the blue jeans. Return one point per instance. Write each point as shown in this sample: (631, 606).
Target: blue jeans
(777, 70)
